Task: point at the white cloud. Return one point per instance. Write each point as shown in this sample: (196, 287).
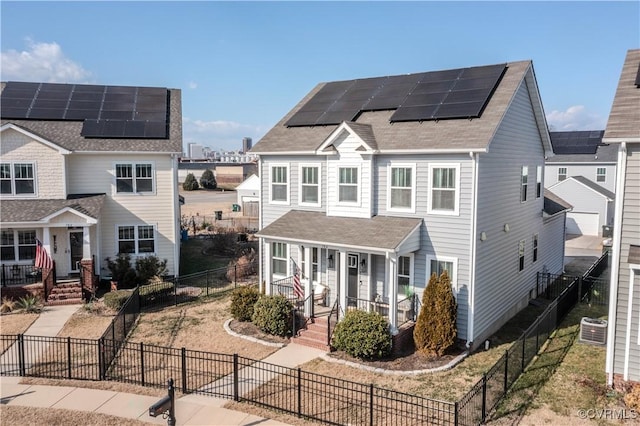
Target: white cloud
(192, 85)
(575, 118)
(42, 62)
(219, 134)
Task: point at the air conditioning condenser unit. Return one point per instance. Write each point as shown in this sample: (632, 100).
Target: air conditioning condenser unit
(593, 330)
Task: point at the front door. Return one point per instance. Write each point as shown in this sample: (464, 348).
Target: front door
(352, 284)
(75, 250)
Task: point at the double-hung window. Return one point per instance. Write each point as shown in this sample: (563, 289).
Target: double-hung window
(314, 263)
(538, 181)
(17, 179)
(535, 248)
(562, 173)
(524, 179)
(279, 259)
(279, 184)
(401, 187)
(521, 255)
(310, 185)
(445, 183)
(437, 265)
(134, 178)
(404, 273)
(348, 185)
(601, 174)
(18, 244)
(136, 239)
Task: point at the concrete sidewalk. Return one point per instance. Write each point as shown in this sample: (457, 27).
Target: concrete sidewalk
(191, 409)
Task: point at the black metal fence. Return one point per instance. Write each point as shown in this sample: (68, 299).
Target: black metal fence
(17, 275)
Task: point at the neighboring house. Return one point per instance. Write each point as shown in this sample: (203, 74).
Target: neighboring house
(248, 196)
(592, 205)
(370, 186)
(90, 171)
(623, 130)
(225, 173)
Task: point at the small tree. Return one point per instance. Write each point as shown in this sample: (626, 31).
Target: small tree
(121, 271)
(149, 267)
(435, 330)
(208, 180)
(190, 183)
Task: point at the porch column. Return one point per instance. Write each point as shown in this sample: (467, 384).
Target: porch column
(307, 282)
(343, 279)
(392, 279)
(86, 243)
(266, 267)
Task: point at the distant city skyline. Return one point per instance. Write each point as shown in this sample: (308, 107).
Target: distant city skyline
(242, 66)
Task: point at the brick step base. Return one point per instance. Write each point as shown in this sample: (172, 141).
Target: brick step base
(65, 293)
(314, 335)
(64, 302)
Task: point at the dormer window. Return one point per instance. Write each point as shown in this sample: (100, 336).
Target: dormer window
(17, 179)
(348, 185)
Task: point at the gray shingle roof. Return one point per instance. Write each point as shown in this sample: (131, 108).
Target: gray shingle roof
(12, 211)
(381, 232)
(442, 135)
(554, 204)
(594, 186)
(624, 118)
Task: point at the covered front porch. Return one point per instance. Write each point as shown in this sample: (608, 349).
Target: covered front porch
(343, 263)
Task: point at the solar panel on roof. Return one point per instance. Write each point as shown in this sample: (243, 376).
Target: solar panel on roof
(576, 142)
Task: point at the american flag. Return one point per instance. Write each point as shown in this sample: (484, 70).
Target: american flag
(297, 287)
(43, 260)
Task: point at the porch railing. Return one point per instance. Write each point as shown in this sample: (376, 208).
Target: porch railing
(15, 275)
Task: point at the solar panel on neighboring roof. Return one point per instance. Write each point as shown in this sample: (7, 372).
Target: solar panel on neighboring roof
(107, 111)
(458, 93)
(576, 142)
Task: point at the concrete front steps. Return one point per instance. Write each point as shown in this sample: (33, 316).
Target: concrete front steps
(314, 335)
(65, 293)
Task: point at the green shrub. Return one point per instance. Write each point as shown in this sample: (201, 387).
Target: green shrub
(121, 270)
(243, 299)
(149, 267)
(273, 315)
(30, 303)
(208, 180)
(115, 299)
(190, 183)
(435, 330)
(363, 334)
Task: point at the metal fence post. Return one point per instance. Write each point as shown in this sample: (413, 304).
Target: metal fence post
(21, 362)
(142, 363)
(184, 370)
(100, 360)
(68, 357)
(484, 397)
(371, 404)
(524, 341)
(293, 325)
(456, 407)
(506, 370)
(235, 377)
(235, 275)
(299, 392)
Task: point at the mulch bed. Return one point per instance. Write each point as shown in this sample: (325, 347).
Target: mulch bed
(250, 329)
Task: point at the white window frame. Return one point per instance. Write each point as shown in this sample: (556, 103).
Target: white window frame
(357, 185)
(535, 254)
(522, 261)
(12, 178)
(16, 245)
(286, 184)
(454, 267)
(562, 174)
(524, 183)
(601, 177)
(301, 185)
(136, 239)
(284, 259)
(412, 207)
(410, 256)
(134, 178)
(455, 211)
(538, 181)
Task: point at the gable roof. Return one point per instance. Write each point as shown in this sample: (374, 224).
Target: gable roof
(554, 204)
(450, 135)
(610, 196)
(67, 133)
(624, 118)
(584, 146)
(252, 182)
(17, 210)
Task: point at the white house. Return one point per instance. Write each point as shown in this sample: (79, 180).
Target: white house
(371, 185)
(90, 171)
(248, 195)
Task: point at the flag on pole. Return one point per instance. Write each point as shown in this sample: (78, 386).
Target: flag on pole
(298, 291)
(43, 260)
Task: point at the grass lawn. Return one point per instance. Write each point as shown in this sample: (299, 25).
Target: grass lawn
(193, 257)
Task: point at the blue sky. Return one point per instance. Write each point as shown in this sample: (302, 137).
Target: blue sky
(243, 65)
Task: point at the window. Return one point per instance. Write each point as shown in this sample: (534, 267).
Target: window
(401, 187)
(562, 173)
(523, 183)
(136, 239)
(348, 185)
(134, 178)
(535, 248)
(539, 182)
(18, 244)
(521, 255)
(17, 179)
(310, 185)
(404, 272)
(314, 263)
(440, 264)
(444, 189)
(279, 184)
(601, 174)
(279, 259)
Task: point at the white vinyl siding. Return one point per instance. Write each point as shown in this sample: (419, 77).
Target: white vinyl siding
(279, 184)
(401, 187)
(444, 189)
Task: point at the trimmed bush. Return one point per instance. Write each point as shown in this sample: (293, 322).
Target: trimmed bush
(208, 180)
(190, 183)
(115, 299)
(121, 271)
(363, 334)
(243, 299)
(435, 330)
(149, 267)
(273, 315)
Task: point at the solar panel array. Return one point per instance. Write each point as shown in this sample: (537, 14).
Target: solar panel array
(107, 111)
(457, 93)
(578, 142)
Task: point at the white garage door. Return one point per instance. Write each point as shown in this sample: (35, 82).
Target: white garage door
(579, 223)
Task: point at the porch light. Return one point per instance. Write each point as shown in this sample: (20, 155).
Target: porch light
(330, 260)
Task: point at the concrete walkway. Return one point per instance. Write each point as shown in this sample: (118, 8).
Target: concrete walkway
(191, 409)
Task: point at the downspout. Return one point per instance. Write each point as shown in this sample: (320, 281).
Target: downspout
(473, 248)
(615, 261)
(176, 211)
(262, 243)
